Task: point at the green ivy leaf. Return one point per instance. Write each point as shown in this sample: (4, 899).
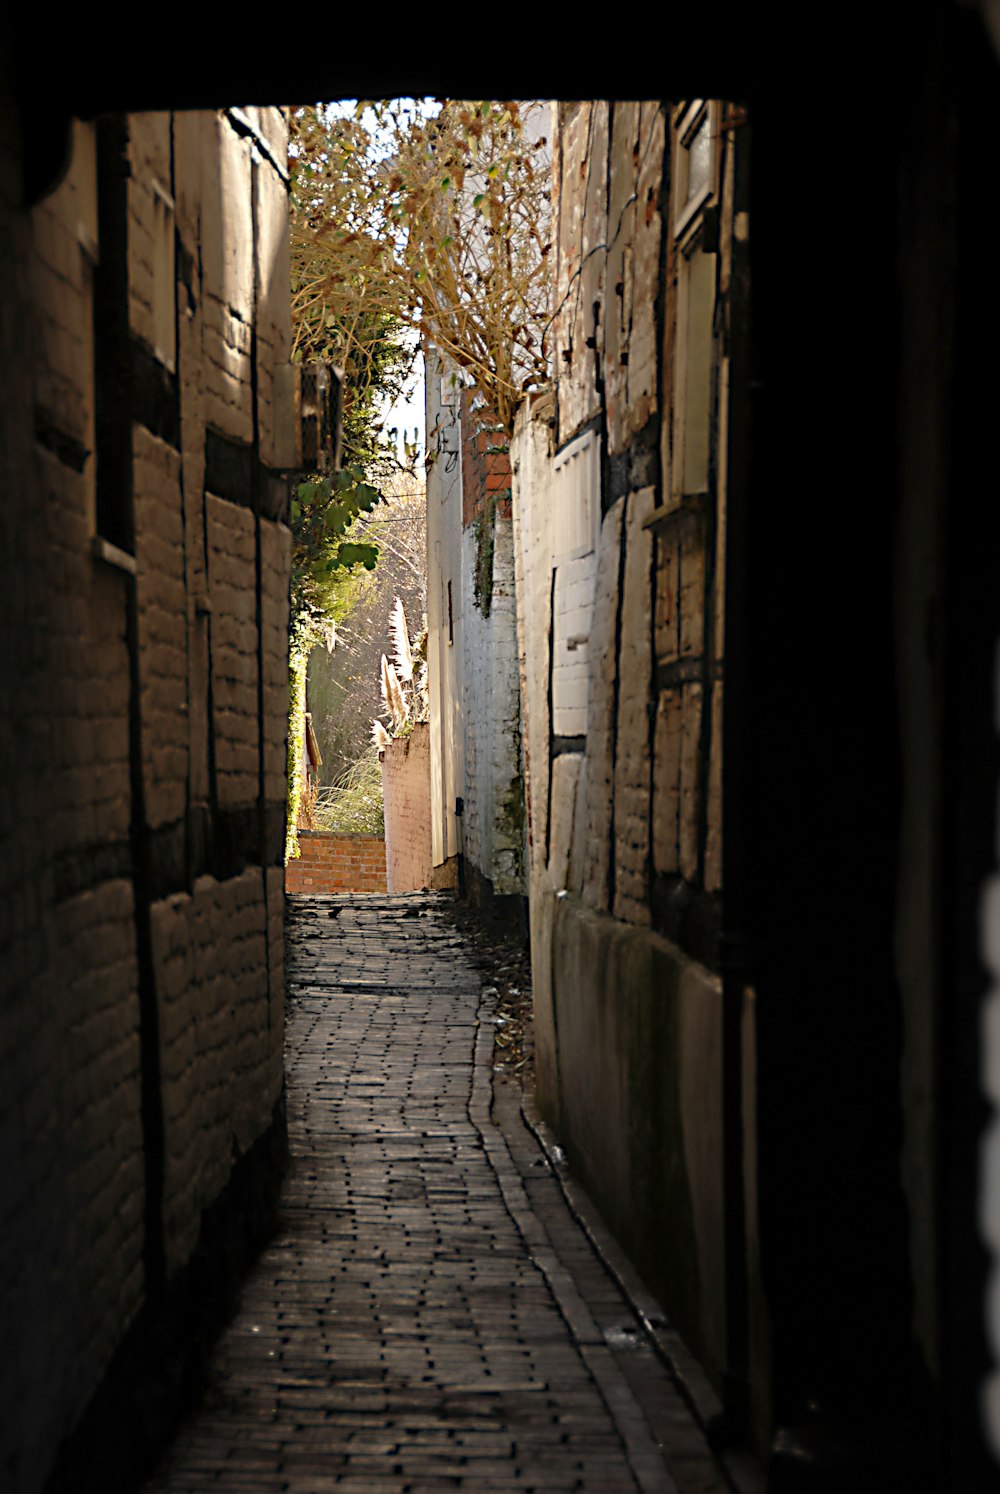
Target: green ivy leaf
(358, 554)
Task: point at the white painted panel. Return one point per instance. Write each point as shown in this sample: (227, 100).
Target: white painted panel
(577, 508)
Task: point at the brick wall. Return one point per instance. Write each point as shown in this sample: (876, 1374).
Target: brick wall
(329, 862)
(472, 648)
(143, 602)
(492, 824)
(620, 638)
(485, 461)
(406, 791)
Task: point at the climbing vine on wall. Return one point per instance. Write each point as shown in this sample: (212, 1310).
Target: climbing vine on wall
(327, 572)
(298, 658)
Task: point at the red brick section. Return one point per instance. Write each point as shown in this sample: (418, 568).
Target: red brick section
(337, 863)
(485, 472)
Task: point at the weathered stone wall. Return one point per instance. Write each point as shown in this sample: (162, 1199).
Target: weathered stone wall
(620, 642)
(406, 796)
(330, 862)
(144, 576)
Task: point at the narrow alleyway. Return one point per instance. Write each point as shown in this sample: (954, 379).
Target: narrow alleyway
(430, 1315)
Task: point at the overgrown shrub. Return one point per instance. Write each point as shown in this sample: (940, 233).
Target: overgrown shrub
(353, 805)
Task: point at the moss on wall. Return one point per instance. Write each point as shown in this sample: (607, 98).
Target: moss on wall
(482, 581)
(512, 819)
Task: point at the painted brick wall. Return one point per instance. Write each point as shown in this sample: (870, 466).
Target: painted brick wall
(406, 792)
(143, 656)
(492, 825)
(472, 647)
(328, 862)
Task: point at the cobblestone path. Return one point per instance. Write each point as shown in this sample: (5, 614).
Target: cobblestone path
(429, 1315)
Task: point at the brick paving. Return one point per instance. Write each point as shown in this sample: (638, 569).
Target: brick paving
(429, 1315)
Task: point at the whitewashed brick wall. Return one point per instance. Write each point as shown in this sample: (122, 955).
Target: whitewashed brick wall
(474, 678)
(493, 833)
